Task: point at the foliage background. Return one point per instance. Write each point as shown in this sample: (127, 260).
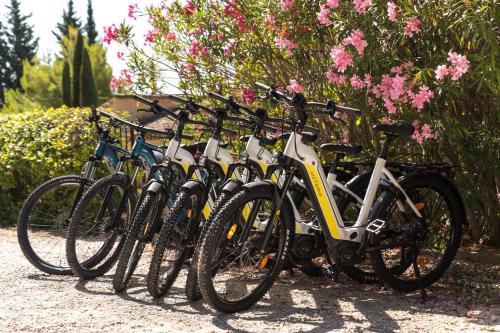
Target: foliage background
(242, 41)
(36, 146)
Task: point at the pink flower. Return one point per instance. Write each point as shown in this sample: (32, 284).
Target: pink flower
(111, 33)
(171, 36)
(220, 37)
(423, 96)
(228, 50)
(120, 55)
(322, 15)
(412, 26)
(361, 6)
(397, 88)
(427, 132)
(193, 48)
(368, 80)
(132, 9)
(335, 78)
(397, 70)
(460, 65)
(332, 3)
(389, 105)
(190, 66)
(356, 39)
(371, 101)
(356, 82)
(286, 44)
(151, 36)
(295, 87)
(441, 72)
(114, 83)
(203, 52)
(248, 96)
(408, 64)
(125, 75)
(392, 11)
(286, 4)
(271, 21)
(189, 9)
(341, 58)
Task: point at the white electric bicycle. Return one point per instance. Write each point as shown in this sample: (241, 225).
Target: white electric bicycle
(411, 232)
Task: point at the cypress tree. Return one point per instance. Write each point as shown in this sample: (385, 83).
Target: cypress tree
(69, 19)
(77, 64)
(88, 92)
(90, 26)
(66, 85)
(3, 64)
(21, 44)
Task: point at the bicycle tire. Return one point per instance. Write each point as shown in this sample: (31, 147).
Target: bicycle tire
(457, 217)
(192, 289)
(216, 230)
(23, 221)
(133, 245)
(159, 286)
(94, 266)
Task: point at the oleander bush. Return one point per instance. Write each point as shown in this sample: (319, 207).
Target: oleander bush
(433, 63)
(36, 146)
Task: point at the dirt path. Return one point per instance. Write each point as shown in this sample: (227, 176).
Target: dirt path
(36, 302)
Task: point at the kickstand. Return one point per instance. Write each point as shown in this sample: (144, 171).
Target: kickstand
(419, 278)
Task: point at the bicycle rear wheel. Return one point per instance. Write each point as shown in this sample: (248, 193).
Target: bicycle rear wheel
(43, 222)
(408, 246)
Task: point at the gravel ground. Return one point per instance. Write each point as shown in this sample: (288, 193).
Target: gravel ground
(36, 302)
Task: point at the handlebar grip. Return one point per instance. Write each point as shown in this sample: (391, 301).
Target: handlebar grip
(176, 98)
(262, 86)
(276, 120)
(311, 129)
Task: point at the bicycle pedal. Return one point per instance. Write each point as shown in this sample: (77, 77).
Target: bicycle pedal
(375, 226)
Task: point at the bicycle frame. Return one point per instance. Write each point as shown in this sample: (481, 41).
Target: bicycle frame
(318, 188)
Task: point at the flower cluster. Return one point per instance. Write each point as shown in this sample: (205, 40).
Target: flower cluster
(111, 33)
(459, 66)
(231, 9)
(190, 8)
(295, 87)
(361, 6)
(132, 10)
(286, 4)
(125, 79)
(392, 11)
(412, 26)
(151, 35)
(286, 44)
(422, 133)
(248, 96)
(357, 40)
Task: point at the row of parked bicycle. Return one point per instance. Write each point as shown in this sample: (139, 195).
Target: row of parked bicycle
(236, 225)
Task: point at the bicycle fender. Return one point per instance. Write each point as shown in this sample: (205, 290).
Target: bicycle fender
(231, 186)
(193, 185)
(155, 187)
(259, 185)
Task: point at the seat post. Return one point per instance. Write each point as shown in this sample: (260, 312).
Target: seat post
(335, 162)
(385, 147)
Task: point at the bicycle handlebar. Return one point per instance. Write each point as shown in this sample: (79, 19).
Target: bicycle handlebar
(329, 106)
(155, 106)
(138, 128)
(235, 106)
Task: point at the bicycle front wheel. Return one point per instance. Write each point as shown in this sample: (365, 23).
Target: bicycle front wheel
(233, 272)
(43, 222)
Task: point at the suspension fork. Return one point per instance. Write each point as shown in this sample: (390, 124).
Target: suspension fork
(124, 198)
(86, 174)
(279, 196)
